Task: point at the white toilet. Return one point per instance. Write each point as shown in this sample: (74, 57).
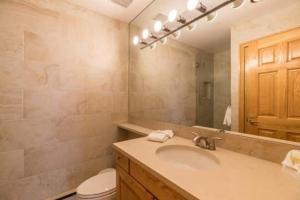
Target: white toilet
(99, 187)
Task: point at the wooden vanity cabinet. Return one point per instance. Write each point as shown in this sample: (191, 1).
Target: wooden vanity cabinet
(136, 183)
(129, 189)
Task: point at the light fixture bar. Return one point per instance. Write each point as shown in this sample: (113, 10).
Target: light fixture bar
(189, 22)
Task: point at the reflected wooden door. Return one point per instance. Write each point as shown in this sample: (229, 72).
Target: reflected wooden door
(270, 86)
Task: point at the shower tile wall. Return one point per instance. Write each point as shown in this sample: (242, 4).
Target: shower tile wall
(63, 86)
(205, 89)
(222, 94)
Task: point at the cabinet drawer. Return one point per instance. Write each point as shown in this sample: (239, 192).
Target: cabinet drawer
(155, 186)
(122, 161)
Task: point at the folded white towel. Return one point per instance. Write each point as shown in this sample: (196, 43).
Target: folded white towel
(227, 117)
(158, 137)
(169, 133)
(292, 160)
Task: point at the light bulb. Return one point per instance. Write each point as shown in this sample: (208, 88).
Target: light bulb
(172, 15)
(192, 4)
(238, 3)
(136, 40)
(157, 26)
(145, 34)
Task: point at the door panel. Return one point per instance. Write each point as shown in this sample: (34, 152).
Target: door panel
(267, 94)
(266, 56)
(294, 50)
(294, 93)
(271, 86)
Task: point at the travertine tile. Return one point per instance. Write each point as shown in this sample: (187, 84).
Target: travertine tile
(61, 94)
(26, 134)
(99, 78)
(12, 96)
(83, 126)
(52, 103)
(54, 182)
(11, 165)
(35, 47)
(121, 102)
(42, 48)
(10, 73)
(40, 75)
(11, 112)
(63, 154)
(99, 102)
(11, 42)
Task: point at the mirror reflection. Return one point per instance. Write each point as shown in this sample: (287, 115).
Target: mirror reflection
(228, 70)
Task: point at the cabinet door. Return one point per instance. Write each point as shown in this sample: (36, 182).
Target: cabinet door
(129, 189)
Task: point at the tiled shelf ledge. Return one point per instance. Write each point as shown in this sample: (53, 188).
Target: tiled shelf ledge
(135, 129)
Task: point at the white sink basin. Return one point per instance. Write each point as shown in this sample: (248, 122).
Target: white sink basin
(187, 157)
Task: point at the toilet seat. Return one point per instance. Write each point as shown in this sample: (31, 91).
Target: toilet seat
(101, 185)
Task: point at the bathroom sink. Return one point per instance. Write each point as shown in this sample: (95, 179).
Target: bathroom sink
(187, 157)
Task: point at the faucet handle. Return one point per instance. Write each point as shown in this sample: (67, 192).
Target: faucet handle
(212, 142)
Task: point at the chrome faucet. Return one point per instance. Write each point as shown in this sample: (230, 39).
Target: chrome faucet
(205, 142)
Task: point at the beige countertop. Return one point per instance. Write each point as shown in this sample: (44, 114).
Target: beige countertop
(239, 177)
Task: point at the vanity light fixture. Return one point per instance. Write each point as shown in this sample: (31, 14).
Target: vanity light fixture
(164, 40)
(150, 39)
(153, 46)
(212, 16)
(192, 27)
(196, 5)
(239, 3)
(176, 34)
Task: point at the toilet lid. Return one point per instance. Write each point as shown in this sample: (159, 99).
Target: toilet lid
(101, 183)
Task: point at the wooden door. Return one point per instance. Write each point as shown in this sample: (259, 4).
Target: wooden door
(129, 189)
(270, 86)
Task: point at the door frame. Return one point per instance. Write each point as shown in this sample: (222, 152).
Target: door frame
(242, 88)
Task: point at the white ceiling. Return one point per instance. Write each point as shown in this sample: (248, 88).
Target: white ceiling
(109, 8)
(213, 36)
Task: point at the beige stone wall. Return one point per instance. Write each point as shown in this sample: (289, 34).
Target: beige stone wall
(222, 92)
(272, 22)
(163, 83)
(63, 86)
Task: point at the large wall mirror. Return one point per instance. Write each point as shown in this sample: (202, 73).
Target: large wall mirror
(230, 70)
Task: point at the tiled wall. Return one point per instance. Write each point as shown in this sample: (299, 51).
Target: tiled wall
(162, 83)
(221, 76)
(204, 89)
(63, 86)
